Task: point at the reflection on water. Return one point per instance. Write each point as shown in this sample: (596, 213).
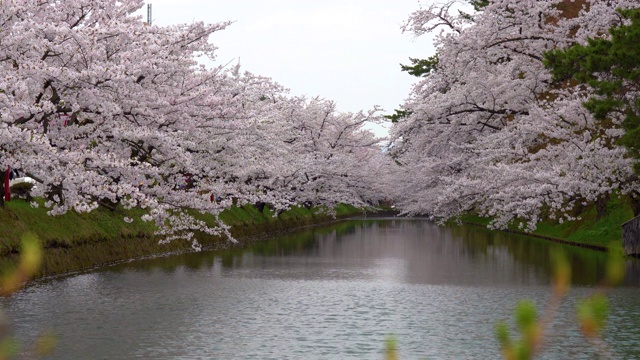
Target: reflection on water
(423, 252)
(331, 292)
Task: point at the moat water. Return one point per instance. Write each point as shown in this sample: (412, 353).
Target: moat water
(333, 292)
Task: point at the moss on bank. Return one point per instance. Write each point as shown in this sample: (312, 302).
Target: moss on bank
(74, 242)
(588, 231)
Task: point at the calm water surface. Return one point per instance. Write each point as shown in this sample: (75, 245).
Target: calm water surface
(327, 293)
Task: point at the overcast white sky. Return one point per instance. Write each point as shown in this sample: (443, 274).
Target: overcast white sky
(348, 51)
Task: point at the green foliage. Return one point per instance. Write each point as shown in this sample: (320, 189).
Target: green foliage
(28, 265)
(31, 256)
(22, 189)
(503, 335)
(391, 349)
(421, 67)
(526, 318)
(418, 68)
(592, 314)
(615, 265)
(399, 114)
(612, 69)
(9, 347)
(561, 273)
(478, 5)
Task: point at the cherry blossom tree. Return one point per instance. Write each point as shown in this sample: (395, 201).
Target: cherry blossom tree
(103, 109)
(98, 106)
(610, 68)
(489, 131)
(336, 159)
(292, 150)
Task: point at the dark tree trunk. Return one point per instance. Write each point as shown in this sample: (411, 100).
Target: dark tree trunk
(601, 205)
(54, 193)
(260, 206)
(3, 175)
(578, 208)
(635, 202)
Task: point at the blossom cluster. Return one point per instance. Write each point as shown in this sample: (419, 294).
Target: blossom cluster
(490, 132)
(103, 109)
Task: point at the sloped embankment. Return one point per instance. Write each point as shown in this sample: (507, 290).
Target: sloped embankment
(75, 242)
(588, 230)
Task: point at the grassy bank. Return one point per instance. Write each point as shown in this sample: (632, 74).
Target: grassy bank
(589, 231)
(74, 242)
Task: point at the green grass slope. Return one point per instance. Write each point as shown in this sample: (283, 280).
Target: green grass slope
(75, 241)
(588, 230)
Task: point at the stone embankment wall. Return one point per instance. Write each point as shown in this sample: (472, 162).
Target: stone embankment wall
(631, 236)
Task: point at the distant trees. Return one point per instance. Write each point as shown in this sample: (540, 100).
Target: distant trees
(491, 131)
(101, 108)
